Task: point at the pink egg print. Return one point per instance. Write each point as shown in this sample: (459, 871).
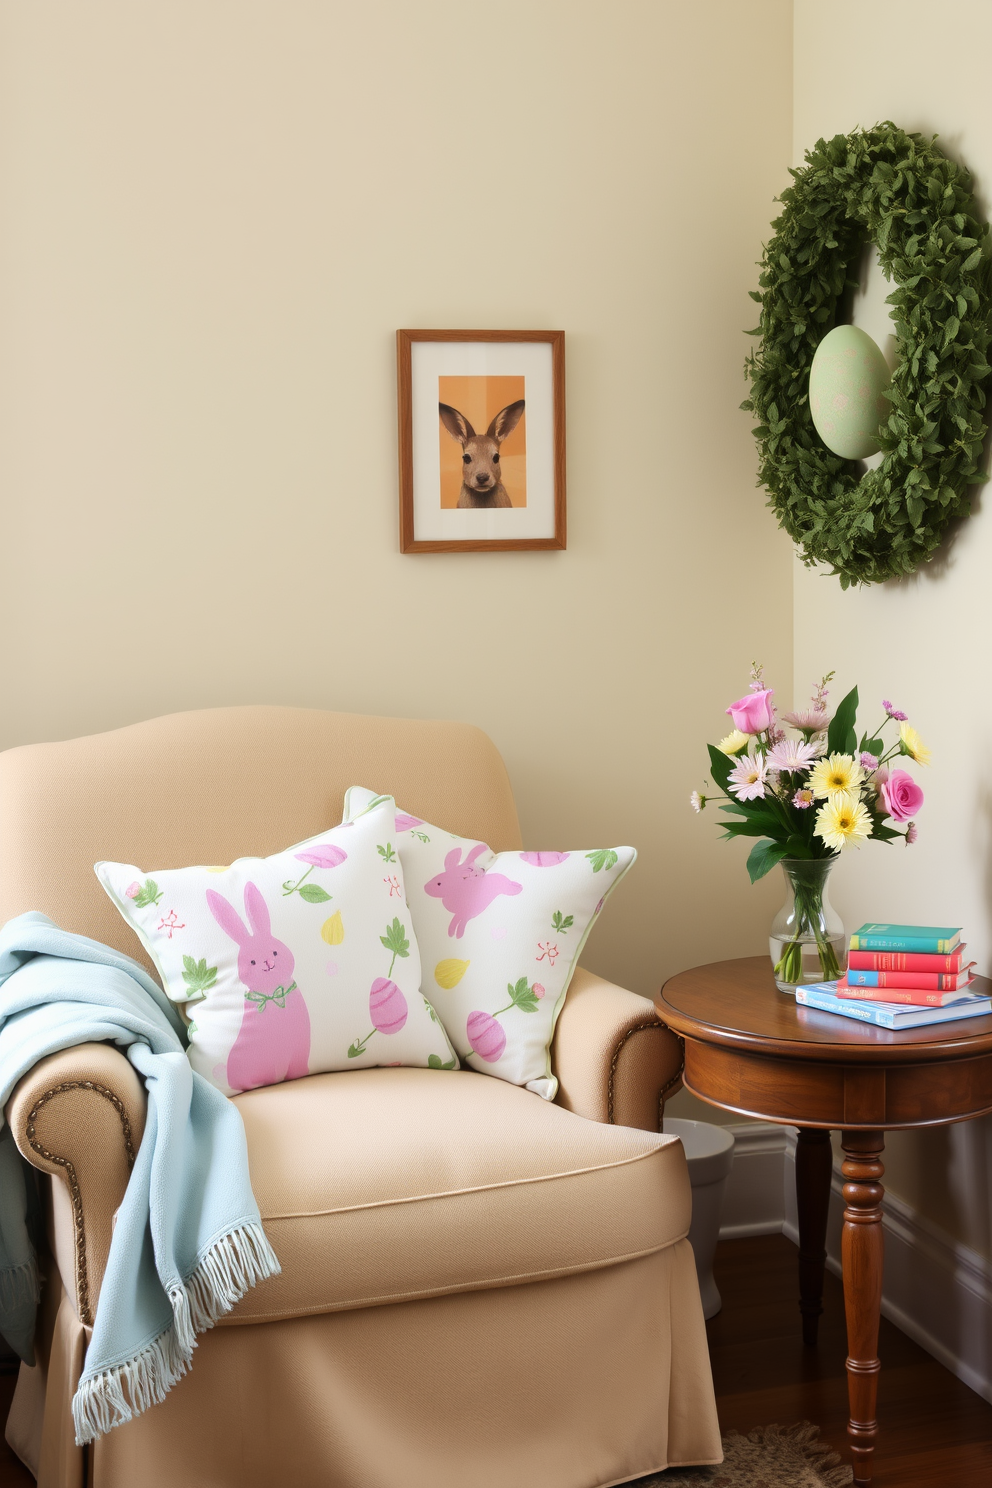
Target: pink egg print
(486, 1036)
(387, 1006)
(544, 859)
(332, 968)
(406, 823)
(324, 855)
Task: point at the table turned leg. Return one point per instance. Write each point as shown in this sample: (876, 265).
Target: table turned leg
(862, 1262)
(814, 1166)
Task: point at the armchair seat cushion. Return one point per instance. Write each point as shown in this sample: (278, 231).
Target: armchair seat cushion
(385, 1185)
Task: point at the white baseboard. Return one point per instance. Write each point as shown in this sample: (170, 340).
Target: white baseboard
(754, 1199)
(935, 1289)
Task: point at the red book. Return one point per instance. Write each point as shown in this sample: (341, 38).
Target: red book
(910, 996)
(919, 981)
(906, 961)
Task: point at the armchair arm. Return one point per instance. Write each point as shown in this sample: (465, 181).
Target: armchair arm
(79, 1115)
(615, 1061)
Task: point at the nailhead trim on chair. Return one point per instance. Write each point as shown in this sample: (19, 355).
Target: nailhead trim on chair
(642, 1028)
(72, 1182)
(676, 1078)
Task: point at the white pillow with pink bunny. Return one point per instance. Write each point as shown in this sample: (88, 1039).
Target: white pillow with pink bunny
(499, 937)
(290, 965)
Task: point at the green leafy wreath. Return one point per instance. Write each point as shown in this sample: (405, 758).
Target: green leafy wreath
(898, 191)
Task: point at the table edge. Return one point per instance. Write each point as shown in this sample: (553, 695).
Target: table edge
(947, 1048)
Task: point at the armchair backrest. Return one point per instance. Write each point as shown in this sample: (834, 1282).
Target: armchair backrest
(211, 786)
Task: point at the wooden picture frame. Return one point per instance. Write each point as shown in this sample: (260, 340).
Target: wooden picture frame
(488, 476)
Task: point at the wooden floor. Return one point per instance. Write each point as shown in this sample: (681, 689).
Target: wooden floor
(935, 1432)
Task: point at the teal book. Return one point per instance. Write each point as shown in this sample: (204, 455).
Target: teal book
(822, 996)
(929, 940)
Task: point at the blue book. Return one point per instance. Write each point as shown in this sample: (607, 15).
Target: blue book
(928, 940)
(823, 997)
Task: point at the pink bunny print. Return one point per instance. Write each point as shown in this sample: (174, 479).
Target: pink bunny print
(273, 1043)
(465, 890)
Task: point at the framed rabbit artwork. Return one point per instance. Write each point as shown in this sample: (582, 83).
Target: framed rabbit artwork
(481, 440)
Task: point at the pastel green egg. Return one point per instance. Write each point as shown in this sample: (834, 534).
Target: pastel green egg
(847, 381)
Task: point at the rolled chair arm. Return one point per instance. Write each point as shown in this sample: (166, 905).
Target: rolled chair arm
(615, 1061)
(79, 1115)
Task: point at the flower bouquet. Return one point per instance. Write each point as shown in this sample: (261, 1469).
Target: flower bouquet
(807, 797)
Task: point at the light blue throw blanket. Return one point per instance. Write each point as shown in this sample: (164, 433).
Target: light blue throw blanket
(188, 1241)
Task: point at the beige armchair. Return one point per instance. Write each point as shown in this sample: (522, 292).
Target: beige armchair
(479, 1288)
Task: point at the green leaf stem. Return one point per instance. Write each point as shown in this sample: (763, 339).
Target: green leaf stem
(841, 737)
(395, 939)
(763, 857)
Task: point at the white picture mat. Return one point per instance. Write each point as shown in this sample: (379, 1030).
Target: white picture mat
(528, 359)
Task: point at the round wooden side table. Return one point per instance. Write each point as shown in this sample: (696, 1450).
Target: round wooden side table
(752, 1049)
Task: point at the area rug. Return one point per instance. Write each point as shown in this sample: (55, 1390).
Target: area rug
(771, 1457)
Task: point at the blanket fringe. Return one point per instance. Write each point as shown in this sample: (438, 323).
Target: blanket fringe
(230, 1267)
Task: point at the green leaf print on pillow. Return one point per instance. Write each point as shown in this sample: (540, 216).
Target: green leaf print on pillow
(560, 923)
(522, 996)
(386, 853)
(198, 976)
(395, 940)
(604, 858)
(313, 894)
(144, 894)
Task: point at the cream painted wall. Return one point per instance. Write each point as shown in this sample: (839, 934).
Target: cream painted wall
(217, 212)
(923, 642)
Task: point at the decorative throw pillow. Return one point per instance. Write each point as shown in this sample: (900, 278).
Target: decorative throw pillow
(499, 938)
(302, 962)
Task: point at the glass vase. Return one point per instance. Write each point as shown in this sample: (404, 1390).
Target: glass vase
(807, 941)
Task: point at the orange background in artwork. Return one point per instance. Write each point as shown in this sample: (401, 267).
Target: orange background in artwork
(480, 400)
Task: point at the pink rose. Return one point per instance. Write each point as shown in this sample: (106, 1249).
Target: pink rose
(537, 989)
(753, 714)
(133, 890)
(901, 796)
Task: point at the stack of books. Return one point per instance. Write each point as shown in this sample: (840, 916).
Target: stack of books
(902, 976)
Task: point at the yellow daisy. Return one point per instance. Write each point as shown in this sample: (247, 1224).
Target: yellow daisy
(842, 821)
(733, 743)
(839, 772)
(910, 743)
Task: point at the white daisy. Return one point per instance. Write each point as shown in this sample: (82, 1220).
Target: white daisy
(747, 778)
(791, 755)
